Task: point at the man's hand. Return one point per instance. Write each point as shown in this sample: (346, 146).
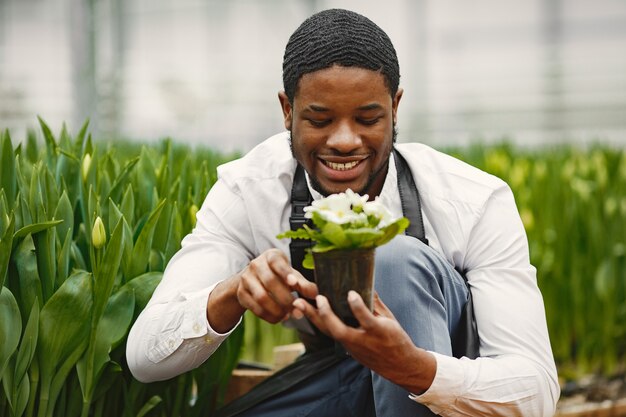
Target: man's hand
(379, 343)
(264, 287)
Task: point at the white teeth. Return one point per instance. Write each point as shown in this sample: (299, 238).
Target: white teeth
(342, 167)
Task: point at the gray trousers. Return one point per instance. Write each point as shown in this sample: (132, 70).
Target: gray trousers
(426, 295)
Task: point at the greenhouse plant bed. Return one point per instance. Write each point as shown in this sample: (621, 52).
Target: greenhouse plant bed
(604, 409)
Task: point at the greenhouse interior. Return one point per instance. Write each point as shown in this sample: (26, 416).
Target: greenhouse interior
(115, 116)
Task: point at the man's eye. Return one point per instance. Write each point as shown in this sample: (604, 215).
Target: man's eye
(369, 122)
(319, 123)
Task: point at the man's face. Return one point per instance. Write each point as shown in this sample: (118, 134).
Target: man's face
(342, 123)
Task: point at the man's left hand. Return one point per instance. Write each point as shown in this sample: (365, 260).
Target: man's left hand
(379, 343)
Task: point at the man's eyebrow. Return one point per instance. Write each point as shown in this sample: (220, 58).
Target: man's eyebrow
(316, 108)
(372, 106)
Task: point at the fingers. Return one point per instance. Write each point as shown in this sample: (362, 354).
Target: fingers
(254, 296)
(272, 276)
(336, 328)
(266, 286)
(380, 309)
(305, 287)
(361, 312)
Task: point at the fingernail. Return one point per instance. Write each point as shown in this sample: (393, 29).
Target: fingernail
(291, 279)
(352, 296)
(320, 300)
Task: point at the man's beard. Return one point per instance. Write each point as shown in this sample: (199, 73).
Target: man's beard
(372, 178)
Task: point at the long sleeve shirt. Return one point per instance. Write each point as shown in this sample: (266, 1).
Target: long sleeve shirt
(470, 217)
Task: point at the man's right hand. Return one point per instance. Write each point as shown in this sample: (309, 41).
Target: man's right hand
(264, 287)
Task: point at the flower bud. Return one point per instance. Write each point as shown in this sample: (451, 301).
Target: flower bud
(193, 210)
(98, 234)
(85, 166)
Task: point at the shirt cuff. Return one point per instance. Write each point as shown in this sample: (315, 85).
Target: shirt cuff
(192, 327)
(446, 387)
(196, 324)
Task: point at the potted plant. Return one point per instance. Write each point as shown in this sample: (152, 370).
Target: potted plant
(348, 228)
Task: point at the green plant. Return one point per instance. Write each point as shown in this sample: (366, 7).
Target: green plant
(346, 221)
(85, 234)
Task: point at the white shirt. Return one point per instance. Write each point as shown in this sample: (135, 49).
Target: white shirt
(470, 217)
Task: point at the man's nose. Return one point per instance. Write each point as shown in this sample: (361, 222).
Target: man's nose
(344, 139)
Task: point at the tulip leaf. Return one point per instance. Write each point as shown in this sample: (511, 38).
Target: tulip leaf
(6, 243)
(113, 326)
(28, 345)
(60, 346)
(149, 405)
(63, 260)
(32, 152)
(175, 234)
(8, 180)
(128, 205)
(65, 213)
(141, 249)
(143, 286)
(10, 326)
(32, 229)
(146, 176)
(29, 283)
(45, 247)
(107, 271)
(122, 180)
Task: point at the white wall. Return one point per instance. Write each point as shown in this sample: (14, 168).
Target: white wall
(208, 71)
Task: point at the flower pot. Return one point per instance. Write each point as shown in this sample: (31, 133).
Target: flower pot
(339, 271)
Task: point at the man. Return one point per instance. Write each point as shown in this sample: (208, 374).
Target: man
(340, 103)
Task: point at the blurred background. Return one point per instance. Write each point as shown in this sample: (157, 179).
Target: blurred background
(208, 71)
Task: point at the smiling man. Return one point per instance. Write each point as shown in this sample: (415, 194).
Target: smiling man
(340, 102)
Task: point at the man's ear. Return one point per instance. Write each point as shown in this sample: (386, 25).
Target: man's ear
(287, 109)
(396, 103)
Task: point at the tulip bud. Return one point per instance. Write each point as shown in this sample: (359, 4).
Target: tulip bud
(193, 210)
(98, 234)
(85, 166)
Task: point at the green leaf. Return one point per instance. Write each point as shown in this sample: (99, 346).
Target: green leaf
(391, 230)
(107, 271)
(364, 237)
(336, 235)
(32, 229)
(8, 179)
(10, 326)
(143, 286)
(21, 396)
(28, 346)
(65, 322)
(175, 235)
(32, 152)
(128, 205)
(122, 179)
(29, 284)
(6, 243)
(146, 178)
(45, 245)
(111, 330)
(141, 250)
(63, 260)
(308, 262)
(295, 234)
(162, 230)
(149, 405)
(114, 325)
(64, 212)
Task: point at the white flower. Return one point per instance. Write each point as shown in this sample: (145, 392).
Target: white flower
(355, 199)
(377, 209)
(338, 208)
